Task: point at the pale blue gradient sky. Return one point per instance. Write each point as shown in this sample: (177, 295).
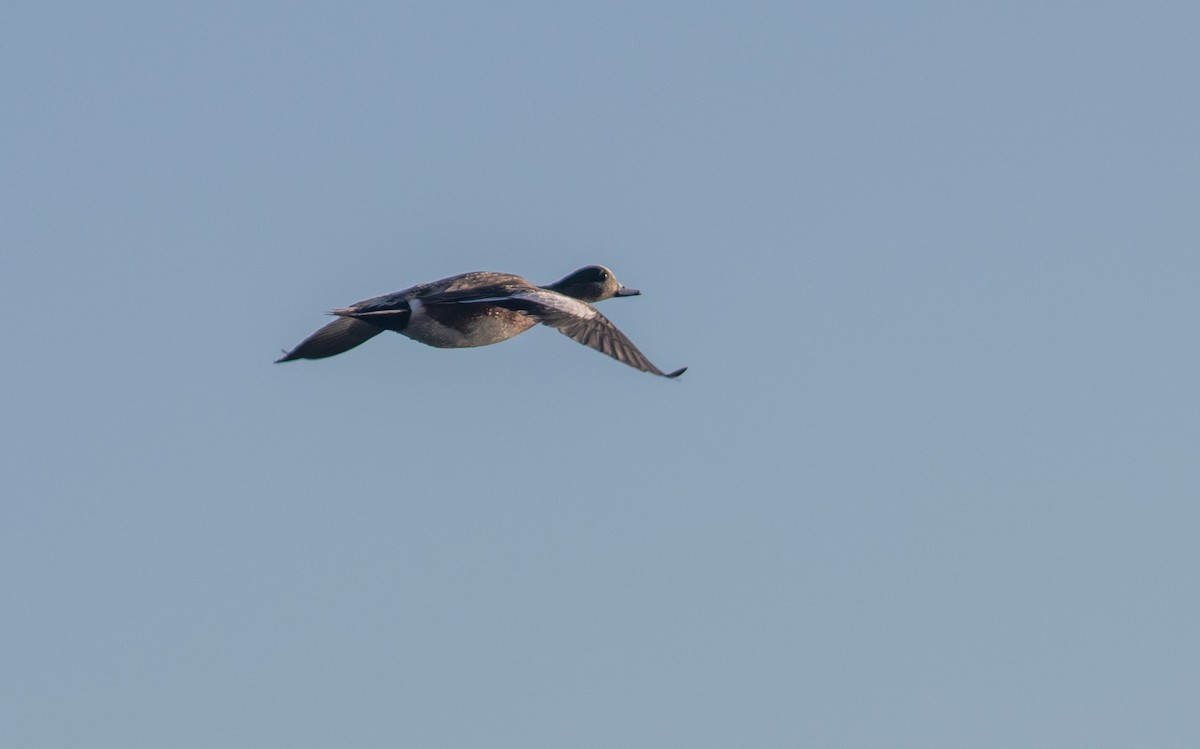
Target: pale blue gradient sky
(931, 480)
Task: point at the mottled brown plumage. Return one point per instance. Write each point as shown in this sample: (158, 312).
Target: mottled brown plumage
(478, 309)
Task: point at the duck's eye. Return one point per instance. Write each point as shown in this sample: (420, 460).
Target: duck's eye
(603, 275)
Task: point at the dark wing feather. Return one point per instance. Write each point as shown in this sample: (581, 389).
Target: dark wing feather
(582, 322)
(478, 294)
(599, 333)
(340, 335)
(468, 287)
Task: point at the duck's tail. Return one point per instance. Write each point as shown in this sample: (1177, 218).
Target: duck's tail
(340, 335)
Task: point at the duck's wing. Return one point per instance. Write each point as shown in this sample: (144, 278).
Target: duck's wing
(581, 322)
(340, 335)
(392, 311)
(471, 288)
(464, 288)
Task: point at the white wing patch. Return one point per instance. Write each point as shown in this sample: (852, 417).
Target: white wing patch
(559, 302)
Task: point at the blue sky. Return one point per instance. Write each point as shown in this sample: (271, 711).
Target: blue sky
(930, 480)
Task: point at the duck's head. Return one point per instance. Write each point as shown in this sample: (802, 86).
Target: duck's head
(592, 284)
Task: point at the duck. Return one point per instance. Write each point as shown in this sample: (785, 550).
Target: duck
(482, 308)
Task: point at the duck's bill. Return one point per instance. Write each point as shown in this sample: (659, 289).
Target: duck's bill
(626, 291)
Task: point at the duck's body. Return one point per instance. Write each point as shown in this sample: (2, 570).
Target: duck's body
(482, 308)
(448, 313)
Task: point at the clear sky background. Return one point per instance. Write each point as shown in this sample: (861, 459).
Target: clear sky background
(931, 479)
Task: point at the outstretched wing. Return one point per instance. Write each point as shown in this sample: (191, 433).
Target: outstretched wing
(340, 335)
(581, 322)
